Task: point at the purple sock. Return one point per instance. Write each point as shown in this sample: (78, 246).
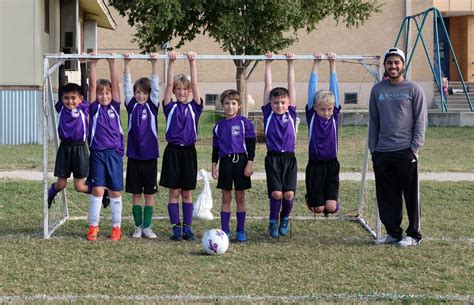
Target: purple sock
(287, 206)
(173, 212)
(225, 220)
(187, 213)
(275, 205)
(241, 220)
(52, 191)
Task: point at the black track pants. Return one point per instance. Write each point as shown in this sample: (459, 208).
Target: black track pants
(396, 175)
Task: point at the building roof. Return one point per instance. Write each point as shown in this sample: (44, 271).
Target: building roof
(97, 10)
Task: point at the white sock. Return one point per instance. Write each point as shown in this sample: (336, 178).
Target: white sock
(116, 207)
(94, 210)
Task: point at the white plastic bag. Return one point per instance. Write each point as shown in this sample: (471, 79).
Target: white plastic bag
(203, 204)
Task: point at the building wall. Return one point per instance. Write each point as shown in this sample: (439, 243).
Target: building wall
(372, 38)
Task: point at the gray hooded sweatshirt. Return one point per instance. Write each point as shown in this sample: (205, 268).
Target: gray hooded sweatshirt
(398, 116)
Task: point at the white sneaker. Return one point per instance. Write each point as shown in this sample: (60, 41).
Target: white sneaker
(386, 240)
(148, 233)
(408, 241)
(138, 232)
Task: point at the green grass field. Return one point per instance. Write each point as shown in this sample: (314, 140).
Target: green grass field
(322, 260)
(327, 260)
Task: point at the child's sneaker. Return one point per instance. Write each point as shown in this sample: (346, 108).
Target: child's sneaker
(51, 195)
(283, 226)
(148, 233)
(273, 228)
(408, 241)
(176, 232)
(93, 232)
(106, 199)
(188, 233)
(116, 233)
(138, 232)
(240, 236)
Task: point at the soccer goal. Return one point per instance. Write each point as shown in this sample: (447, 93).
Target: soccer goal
(359, 204)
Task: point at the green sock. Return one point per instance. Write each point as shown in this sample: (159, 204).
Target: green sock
(137, 215)
(148, 215)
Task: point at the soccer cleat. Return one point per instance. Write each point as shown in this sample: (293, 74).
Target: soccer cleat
(408, 241)
(93, 232)
(188, 233)
(138, 232)
(240, 236)
(51, 195)
(176, 228)
(105, 199)
(283, 229)
(273, 228)
(148, 233)
(116, 233)
(386, 240)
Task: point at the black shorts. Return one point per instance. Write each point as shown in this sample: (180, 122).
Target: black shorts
(322, 181)
(72, 157)
(231, 169)
(141, 176)
(282, 171)
(179, 168)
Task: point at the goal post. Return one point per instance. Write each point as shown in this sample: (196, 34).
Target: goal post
(366, 210)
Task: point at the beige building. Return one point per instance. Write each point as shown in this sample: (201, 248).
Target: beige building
(30, 28)
(372, 38)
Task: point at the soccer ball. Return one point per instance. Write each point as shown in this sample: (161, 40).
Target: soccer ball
(215, 242)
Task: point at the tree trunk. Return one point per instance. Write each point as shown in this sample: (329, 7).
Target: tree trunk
(242, 88)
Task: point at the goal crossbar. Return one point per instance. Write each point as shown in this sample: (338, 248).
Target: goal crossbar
(370, 62)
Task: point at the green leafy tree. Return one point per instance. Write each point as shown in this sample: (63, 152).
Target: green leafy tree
(241, 27)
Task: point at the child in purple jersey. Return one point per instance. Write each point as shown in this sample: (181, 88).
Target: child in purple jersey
(72, 155)
(106, 146)
(322, 114)
(179, 168)
(234, 145)
(279, 113)
(142, 104)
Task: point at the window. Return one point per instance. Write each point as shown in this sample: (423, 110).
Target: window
(46, 16)
(211, 99)
(350, 98)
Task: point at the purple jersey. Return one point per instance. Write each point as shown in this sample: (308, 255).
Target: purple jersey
(142, 140)
(105, 129)
(181, 122)
(280, 129)
(72, 123)
(230, 134)
(322, 135)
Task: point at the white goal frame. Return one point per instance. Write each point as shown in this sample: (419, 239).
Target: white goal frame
(371, 63)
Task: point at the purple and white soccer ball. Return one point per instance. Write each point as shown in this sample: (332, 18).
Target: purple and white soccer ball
(215, 242)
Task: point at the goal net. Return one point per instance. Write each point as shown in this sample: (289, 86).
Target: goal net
(357, 190)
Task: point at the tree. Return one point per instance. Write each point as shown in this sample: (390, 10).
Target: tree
(241, 27)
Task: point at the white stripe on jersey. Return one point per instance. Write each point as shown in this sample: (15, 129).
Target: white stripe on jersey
(94, 124)
(83, 118)
(152, 121)
(193, 115)
(170, 117)
(268, 122)
(243, 132)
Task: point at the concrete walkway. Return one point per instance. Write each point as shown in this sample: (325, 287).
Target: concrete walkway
(434, 176)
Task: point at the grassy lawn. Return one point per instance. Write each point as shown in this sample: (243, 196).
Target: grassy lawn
(446, 148)
(328, 260)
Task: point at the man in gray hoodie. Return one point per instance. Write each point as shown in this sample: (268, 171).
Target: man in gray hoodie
(398, 119)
